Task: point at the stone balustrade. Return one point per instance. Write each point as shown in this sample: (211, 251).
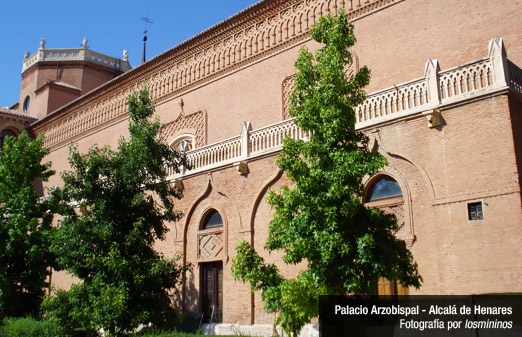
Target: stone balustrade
(392, 100)
(467, 78)
(216, 154)
(75, 54)
(410, 97)
(418, 97)
(232, 151)
(270, 138)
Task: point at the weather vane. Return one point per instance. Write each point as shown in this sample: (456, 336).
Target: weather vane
(146, 19)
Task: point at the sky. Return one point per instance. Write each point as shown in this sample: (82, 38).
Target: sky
(110, 27)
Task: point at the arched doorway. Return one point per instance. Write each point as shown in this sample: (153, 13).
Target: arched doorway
(383, 192)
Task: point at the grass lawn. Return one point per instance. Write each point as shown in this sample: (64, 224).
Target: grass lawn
(175, 334)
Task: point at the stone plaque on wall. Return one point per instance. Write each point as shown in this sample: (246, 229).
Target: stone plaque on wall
(210, 245)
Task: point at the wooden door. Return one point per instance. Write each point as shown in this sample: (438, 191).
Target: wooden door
(212, 291)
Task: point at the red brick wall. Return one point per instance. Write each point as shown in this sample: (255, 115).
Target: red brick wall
(59, 97)
(395, 43)
(474, 156)
(515, 107)
(78, 74)
(470, 158)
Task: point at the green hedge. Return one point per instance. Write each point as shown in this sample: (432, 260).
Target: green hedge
(152, 332)
(29, 327)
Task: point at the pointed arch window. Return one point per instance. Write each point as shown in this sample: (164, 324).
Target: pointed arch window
(385, 187)
(212, 219)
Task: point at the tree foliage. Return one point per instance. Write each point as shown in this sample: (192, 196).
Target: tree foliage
(321, 220)
(124, 199)
(25, 226)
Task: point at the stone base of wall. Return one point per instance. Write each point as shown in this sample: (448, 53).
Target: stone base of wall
(265, 330)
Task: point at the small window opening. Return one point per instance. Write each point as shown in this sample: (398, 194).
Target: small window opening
(27, 102)
(475, 211)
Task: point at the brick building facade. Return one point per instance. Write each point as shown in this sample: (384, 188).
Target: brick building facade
(452, 136)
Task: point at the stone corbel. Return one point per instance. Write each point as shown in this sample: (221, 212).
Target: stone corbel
(241, 167)
(431, 74)
(432, 117)
(410, 241)
(178, 183)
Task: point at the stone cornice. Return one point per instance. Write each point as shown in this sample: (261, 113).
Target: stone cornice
(74, 54)
(68, 64)
(257, 32)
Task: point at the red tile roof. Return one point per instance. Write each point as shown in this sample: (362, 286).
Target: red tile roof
(16, 113)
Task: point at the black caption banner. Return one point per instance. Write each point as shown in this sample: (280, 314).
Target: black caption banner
(408, 316)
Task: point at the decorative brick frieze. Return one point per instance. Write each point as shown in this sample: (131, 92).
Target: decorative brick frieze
(284, 25)
(194, 124)
(98, 114)
(287, 88)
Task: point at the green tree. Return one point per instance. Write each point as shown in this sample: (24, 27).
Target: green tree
(322, 220)
(125, 199)
(25, 226)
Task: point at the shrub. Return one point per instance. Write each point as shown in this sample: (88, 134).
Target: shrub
(109, 247)
(25, 226)
(29, 327)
